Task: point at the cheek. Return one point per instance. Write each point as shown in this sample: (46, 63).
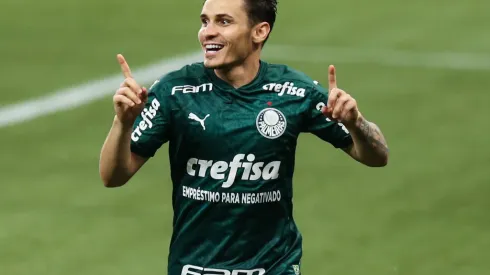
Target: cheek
(244, 45)
(242, 42)
(200, 34)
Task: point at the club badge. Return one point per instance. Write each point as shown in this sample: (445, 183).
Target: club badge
(271, 123)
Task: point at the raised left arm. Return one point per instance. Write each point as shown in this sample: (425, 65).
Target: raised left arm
(369, 145)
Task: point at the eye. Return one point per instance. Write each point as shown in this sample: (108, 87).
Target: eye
(225, 21)
(204, 22)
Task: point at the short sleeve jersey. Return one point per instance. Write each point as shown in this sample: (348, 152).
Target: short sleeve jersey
(232, 155)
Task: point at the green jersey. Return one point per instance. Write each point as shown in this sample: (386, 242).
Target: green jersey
(232, 155)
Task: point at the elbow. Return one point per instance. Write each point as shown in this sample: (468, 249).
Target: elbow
(378, 161)
(381, 161)
(111, 177)
(112, 184)
(110, 181)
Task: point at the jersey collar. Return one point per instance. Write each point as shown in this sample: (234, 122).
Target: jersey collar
(226, 86)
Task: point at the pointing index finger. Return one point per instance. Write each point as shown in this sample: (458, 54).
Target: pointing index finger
(124, 66)
(332, 81)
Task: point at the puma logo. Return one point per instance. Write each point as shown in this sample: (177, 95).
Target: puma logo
(196, 118)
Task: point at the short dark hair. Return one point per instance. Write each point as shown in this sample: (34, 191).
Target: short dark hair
(261, 11)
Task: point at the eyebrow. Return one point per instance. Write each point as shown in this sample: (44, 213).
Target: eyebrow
(220, 15)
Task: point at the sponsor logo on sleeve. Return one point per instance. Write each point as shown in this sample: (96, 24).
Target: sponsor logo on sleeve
(147, 116)
(319, 107)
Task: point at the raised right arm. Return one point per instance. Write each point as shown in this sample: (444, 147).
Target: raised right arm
(117, 164)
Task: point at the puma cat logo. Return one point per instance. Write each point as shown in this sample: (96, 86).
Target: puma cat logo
(196, 118)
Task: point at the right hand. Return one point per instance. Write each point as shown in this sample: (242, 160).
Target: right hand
(130, 98)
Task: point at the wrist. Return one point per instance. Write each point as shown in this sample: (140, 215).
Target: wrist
(356, 124)
(125, 126)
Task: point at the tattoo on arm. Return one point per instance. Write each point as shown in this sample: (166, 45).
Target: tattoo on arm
(371, 134)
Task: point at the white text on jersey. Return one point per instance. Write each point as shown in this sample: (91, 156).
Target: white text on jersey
(220, 170)
(319, 107)
(186, 89)
(197, 270)
(287, 88)
(147, 116)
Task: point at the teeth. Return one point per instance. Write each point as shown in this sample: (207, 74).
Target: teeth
(213, 46)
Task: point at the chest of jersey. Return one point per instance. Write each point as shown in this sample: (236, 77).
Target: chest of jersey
(218, 123)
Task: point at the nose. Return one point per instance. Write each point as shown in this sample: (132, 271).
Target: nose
(210, 31)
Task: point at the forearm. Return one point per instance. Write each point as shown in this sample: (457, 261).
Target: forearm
(370, 146)
(115, 157)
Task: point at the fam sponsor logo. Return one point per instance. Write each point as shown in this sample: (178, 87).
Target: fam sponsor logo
(189, 89)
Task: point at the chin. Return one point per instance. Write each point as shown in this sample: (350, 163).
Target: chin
(210, 64)
(214, 64)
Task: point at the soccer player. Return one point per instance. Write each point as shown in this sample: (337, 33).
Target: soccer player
(232, 124)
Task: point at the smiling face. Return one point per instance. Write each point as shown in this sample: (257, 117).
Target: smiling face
(226, 35)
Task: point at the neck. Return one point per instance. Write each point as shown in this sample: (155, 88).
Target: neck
(242, 74)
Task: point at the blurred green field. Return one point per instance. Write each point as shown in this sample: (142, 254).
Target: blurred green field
(425, 213)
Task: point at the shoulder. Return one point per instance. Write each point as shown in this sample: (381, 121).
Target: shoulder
(190, 74)
(281, 74)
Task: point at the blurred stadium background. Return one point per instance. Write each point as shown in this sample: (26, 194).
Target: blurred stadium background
(420, 69)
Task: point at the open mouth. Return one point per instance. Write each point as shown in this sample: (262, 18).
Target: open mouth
(213, 48)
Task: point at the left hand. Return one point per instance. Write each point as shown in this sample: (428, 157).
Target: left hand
(341, 106)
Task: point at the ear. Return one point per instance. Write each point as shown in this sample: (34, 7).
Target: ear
(260, 32)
